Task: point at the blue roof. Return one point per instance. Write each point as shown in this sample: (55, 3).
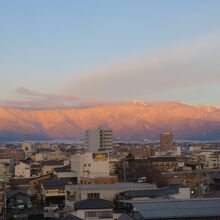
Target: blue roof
(178, 208)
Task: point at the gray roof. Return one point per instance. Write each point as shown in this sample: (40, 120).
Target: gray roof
(62, 169)
(71, 217)
(93, 204)
(151, 193)
(56, 183)
(116, 186)
(214, 176)
(179, 208)
(13, 193)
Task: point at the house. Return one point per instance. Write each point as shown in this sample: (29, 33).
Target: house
(49, 165)
(35, 169)
(22, 170)
(64, 172)
(52, 191)
(94, 209)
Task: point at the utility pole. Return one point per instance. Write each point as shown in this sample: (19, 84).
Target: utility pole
(124, 170)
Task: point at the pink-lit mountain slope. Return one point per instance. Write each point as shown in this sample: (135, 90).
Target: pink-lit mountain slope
(135, 120)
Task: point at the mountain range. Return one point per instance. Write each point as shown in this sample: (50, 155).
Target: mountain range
(134, 120)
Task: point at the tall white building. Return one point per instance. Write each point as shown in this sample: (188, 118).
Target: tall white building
(99, 139)
(90, 165)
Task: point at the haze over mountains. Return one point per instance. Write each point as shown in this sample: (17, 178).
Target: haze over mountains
(135, 120)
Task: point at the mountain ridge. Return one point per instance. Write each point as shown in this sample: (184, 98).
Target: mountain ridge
(132, 120)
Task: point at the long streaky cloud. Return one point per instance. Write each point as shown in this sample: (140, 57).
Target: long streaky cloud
(32, 93)
(181, 67)
(34, 99)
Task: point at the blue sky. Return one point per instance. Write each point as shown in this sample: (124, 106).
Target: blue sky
(95, 50)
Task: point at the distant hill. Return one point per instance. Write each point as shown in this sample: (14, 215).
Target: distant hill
(135, 120)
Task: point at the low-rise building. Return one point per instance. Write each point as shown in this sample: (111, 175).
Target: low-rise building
(172, 192)
(75, 193)
(52, 191)
(48, 166)
(94, 209)
(22, 170)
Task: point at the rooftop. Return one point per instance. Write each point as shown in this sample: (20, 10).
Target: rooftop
(52, 162)
(151, 193)
(93, 204)
(178, 208)
(53, 183)
(115, 186)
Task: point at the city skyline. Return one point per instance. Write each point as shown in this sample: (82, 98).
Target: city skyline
(85, 53)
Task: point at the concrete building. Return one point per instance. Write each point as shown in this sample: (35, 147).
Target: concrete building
(90, 165)
(166, 142)
(75, 193)
(99, 139)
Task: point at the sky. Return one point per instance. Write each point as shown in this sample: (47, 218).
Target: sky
(81, 53)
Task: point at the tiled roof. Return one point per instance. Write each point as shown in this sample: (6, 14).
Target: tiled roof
(93, 204)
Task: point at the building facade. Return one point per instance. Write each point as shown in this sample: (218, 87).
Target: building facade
(99, 139)
(89, 165)
(166, 142)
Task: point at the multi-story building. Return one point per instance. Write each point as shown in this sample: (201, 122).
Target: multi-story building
(99, 139)
(90, 165)
(166, 142)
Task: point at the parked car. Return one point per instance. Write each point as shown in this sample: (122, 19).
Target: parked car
(52, 207)
(29, 204)
(20, 204)
(12, 205)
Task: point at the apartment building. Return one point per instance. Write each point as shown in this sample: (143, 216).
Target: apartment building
(99, 139)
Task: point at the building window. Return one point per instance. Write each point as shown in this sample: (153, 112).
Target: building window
(89, 165)
(61, 190)
(99, 214)
(93, 195)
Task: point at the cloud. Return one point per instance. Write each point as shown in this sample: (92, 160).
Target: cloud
(184, 66)
(31, 93)
(34, 99)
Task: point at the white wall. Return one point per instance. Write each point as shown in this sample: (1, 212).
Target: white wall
(22, 170)
(85, 166)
